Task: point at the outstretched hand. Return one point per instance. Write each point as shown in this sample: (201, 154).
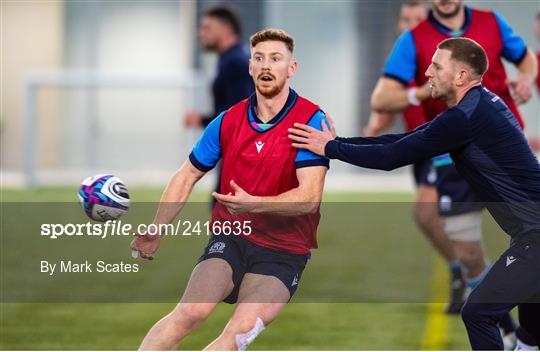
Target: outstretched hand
(238, 203)
(146, 245)
(309, 138)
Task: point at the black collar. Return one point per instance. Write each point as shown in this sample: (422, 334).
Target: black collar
(291, 99)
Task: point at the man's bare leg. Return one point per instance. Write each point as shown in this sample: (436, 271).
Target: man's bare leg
(260, 300)
(471, 255)
(426, 215)
(210, 282)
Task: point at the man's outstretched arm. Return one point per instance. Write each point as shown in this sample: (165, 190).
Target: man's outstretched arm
(384, 139)
(172, 201)
(449, 131)
(330, 128)
(177, 192)
(446, 133)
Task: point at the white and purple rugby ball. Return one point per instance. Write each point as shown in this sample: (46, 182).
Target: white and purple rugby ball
(104, 197)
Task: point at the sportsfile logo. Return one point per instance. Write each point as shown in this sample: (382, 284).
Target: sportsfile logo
(119, 228)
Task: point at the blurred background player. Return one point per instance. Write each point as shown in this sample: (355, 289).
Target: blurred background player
(274, 187)
(410, 14)
(220, 32)
(440, 188)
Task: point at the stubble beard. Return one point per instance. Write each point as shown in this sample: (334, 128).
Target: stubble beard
(447, 15)
(270, 92)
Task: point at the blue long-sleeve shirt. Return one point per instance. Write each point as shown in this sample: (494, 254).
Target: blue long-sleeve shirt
(488, 149)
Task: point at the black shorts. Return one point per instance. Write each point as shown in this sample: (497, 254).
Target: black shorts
(246, 257)
(423, 173)
(455, 194)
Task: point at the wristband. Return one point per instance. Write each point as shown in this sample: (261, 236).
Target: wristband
(411, 96)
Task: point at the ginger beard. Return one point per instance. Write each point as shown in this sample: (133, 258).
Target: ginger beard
(447, 8)
(268, 85)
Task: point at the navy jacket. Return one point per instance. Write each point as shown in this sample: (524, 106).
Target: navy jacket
(488, 149)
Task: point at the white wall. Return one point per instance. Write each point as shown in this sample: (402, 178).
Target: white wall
(138, 130)
(32, 37)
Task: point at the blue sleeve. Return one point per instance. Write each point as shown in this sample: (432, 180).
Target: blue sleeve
(401, 64)
(207, 151)
(514, 47)
(305, 158)
(447, 132)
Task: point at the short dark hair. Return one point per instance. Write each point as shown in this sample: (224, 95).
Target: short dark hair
(226, 15)
(467, 51)
(273, 34)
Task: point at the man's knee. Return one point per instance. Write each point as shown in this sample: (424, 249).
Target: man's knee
(190, 315)
(465, 228)
(470, 312)
(471, 254)
(426, 215)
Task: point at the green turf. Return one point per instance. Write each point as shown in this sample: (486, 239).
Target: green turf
(301, 326)
(368, 256)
